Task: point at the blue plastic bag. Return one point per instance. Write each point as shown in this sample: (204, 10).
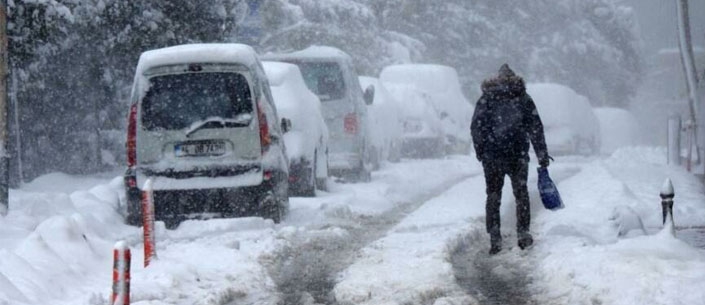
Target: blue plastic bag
(549, 193)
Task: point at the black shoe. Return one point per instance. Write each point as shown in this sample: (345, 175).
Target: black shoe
(525, 241)
(495, 244)
(495, 248)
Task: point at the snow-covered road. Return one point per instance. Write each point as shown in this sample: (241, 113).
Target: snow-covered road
(414, 235)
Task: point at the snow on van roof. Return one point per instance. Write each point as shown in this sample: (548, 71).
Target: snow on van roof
(197, 53)
(314, 51)
(278, 72)
(426, 76)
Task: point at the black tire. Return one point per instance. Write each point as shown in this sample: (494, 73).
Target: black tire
(309, 189)
(274, 203)
(321, 183)
(306, 186)
(363, 174)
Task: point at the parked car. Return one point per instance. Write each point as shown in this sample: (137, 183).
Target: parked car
(446, 97)
(422, 131)
(569, 122)
(618, 128)
(307, 141)
(203, 126)
(385, 121)
(329, 73)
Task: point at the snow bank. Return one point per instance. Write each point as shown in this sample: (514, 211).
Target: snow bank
(606, 258)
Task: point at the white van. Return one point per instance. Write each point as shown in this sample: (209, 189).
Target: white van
(203, 126)
(329, 73)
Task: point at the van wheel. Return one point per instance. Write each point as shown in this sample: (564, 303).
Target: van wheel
(271, 208)
(363, 174)
(309, 190)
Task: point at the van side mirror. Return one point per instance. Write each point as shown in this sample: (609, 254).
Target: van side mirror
(286, 125)
(369, 95)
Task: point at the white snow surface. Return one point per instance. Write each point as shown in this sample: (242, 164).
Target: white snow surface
(314, 51)
(57, 245)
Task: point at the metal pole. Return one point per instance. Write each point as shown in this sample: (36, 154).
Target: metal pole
(674, 140)
(691, 75)
(4, 157)
(18, 132)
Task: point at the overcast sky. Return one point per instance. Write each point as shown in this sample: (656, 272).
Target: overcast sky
(657, 19)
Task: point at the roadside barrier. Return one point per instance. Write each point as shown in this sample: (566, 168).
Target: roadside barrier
(667, 195)
(121, 274)
(150, 250)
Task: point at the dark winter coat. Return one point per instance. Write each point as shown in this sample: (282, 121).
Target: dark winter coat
(505, 120)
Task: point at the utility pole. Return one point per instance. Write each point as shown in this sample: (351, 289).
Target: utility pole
(4, 157)
(691, 75)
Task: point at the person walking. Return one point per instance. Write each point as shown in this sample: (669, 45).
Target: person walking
(504, 122)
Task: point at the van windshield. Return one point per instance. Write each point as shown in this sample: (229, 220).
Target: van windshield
(325, 79)
(175, 101)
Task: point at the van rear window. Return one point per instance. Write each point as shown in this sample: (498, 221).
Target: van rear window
(323, 78)
(175, 101)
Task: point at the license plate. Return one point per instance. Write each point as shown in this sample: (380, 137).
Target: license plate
(200, 149)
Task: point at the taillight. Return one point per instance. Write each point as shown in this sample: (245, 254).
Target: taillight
(264, 136)
(132, 137)
(350, 123)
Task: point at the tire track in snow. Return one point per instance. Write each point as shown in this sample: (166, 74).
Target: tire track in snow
(504, 278)
(305, 272)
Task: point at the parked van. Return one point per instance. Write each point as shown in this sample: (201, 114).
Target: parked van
(307, 141)
(329, 73)
(442, 85)
(203, 126)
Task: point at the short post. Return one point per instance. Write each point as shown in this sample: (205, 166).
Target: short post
(148, 222)
(674, 140)
(121, 274)
(667, 195)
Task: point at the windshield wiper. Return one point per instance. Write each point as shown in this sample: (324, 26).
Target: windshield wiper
(241, 120)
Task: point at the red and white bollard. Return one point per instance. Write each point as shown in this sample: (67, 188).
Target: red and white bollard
(121, 274)
(150, 250)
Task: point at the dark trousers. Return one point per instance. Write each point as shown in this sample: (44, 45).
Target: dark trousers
(518, 172)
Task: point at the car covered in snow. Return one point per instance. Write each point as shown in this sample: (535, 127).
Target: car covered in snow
(330, 74)
(618, 128)
(569, 123)
(422, 131)
(385, 122)
(204, 129)
(441, 84)
(307, 141)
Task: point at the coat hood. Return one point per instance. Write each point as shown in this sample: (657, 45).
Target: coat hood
(505, 85)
